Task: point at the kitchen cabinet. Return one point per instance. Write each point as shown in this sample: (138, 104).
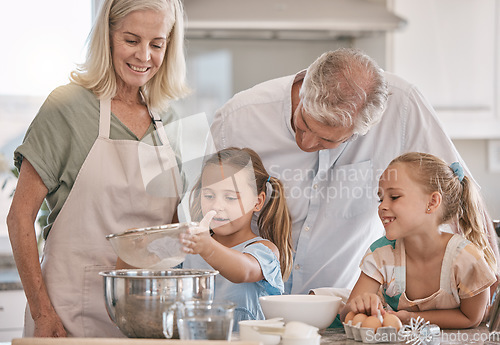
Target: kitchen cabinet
(12, 304)
(449, 50)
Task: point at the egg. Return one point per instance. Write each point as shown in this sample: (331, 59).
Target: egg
(391, 320)
(358, 318)
(371, 322)
(350, 315)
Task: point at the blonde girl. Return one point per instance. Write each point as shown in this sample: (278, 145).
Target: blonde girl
(234, 185)
(417, 269)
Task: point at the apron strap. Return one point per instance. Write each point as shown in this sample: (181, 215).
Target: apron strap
(160, 129)
(104, 118)
(158, 124)
(105, 122)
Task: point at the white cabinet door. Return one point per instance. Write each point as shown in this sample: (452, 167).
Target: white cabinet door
(7, 336)
(12, 305)
(449, 50)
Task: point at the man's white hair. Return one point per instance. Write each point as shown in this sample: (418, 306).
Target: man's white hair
(345, 88)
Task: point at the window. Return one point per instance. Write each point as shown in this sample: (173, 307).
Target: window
(42, 42)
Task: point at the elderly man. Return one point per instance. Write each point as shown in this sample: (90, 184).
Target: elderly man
(328, 133)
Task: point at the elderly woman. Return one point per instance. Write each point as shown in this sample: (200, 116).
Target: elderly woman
(99, 153)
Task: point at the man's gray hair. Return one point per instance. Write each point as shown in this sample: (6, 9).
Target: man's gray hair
(345, 88)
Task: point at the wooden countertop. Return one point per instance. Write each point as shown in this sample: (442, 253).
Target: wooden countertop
(333, 336)
(118, 341)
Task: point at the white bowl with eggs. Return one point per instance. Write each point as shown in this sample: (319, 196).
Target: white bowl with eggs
(315, 310)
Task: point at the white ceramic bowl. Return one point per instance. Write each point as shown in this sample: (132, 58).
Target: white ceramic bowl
(315, 310)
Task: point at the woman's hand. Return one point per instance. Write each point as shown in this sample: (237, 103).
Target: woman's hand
(367, 303)
(49, 326)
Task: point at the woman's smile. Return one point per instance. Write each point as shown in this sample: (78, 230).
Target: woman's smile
(137, 68)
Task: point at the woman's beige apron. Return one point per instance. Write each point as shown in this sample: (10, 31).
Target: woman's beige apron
(110, 195)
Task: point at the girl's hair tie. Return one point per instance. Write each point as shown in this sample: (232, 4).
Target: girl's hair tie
(457, 169)
(269, 178)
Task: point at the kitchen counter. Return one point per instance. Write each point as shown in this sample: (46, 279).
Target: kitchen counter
(476, 336)
(9, 277)
(334, 336)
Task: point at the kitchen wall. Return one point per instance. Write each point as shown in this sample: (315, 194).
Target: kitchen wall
(476, 155)
(248, 62)
(254, 61)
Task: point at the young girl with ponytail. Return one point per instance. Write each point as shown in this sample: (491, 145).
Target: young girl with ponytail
(415, 269)
(233, 186)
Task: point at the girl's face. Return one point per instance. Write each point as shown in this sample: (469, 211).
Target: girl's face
(233, 198)
(403, 203)
(138, 46)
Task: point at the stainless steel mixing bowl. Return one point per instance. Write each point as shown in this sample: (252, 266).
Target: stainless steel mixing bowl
(135, 299)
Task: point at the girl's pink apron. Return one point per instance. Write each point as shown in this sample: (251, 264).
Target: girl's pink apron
(122, 184)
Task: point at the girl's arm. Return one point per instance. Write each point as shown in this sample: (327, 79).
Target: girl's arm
(469, 315)
(233, 265)
(363, 297)
(28, 198)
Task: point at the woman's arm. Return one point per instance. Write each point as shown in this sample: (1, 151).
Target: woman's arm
(469, 315)
(363, 297)
(27, 200)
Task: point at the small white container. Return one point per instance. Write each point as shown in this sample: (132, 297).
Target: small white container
(314, 340)
(248, 333)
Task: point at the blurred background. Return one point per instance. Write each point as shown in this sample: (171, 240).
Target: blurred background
(447, 48)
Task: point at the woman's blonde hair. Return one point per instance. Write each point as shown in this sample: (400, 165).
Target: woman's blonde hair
(460, 198)
(97, 72)
(274, 220)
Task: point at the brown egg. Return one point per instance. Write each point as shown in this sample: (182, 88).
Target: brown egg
(371, 322)
(391, 320)
(350, 315)
(358, 318)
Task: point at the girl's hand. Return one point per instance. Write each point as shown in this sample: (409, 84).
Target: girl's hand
(198, 240)
(367, 303)
(197, 243)
(403, 315)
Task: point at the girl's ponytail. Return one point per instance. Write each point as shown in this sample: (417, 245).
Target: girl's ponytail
(471, 221)
(461, 201)
(275, 225)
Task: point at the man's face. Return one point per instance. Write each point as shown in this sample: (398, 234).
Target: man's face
(312, 135)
